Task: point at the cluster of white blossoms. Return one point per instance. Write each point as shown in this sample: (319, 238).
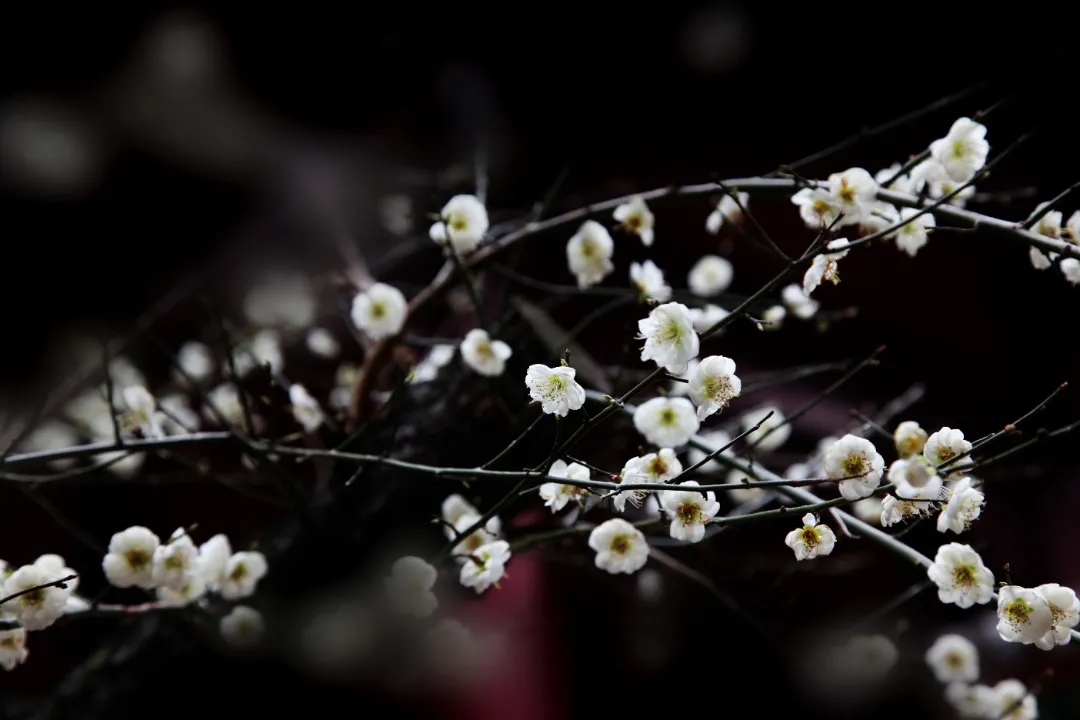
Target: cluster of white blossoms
(1050, 225)
(954, 661)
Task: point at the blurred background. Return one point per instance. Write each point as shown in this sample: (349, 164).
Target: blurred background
(176, 152)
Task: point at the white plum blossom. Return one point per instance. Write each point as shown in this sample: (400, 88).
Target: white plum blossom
(322, 343)
(141, 412)
(242, 626)
(856, 459)
(713, 439)
(713, 385)
(946, 444)
(264, 350)
(666, 422)
(1064, 611)
(454, 507)
(242, 574)
(42, 606)
(632, 473)
(773, 431)
(193, 588)
(485, 566)
(817, 207)
(195, 360)
(881, 217)
(620, 547)
(225, 399)
(971, 701)
(963, 151)
(728, 208)
(478, 538)
(1070, 268)
(636, 217)
(1011, 700)
(914, 478)
(703, 319)
(869, 509)
(409, 586)
(379, 311)
(962, 508)
(305, 408)
(853, 193)
(214, 555)
(557, 495)
(588, 254)
(657, 467)
(895, 510)
(935, 178)
(13, 650)
(902, 183)
(1072, 228)
(649, 281)
(175, 561)
(1023, 615)
(130, 560)
(914, 234)
(909, 438)
(1049, 225)
(811, 540)
(682, 387)
(55, 565)
(689, 511)
(798, 303)
(953, 658)
(463, 222)
(960, 576)
(438, 357)
(825, 266)
(711, 275)
(773, 318)
(670, 339)
(483, 355)
(555, 389)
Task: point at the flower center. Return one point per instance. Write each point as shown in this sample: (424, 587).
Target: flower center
(959, 149)
(964, 575)
(556, 386)
(821, 208)
(378, 310)
(634, 222)
(945, 453)
(1018, 612)
(137, 559)
(810, 537)
(175, 562)
(689, 513)
(671, 332)
(620, 544)
(238, 573)
(667, 416)
(458, 222)
(33, 599)
(658, 467)
(854, 465)
(588, 249)
(954, 660)
(846, 193)
(484, 350)
(718, 388)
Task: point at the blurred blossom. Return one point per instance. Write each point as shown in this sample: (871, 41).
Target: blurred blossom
(716, 38)
(48, 149)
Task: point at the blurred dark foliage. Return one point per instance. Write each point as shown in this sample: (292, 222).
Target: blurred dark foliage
(354, 105)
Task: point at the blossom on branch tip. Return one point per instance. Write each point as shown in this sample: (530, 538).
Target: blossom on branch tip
(130, 560)
(620, 547)
(811, 540)
(689, 511)
(485, 566)
(242, 573)
(409, 586)
(636, 217)
(711, 275)
(555, 389)
(960, 576)
(855, 459)
(946, 444)
(463, 222)
(649, 281)
(193, 588)
(1023, 615)
(962, 152)
(953, 658)
(588, 254)
(825, 266)
(670, 339)
(1065, 614)
(713, 385)
(379, 311)
(666, 422)
(962, 508)
(483, 355)
(557, 495)
(909, 438)
(727, 209)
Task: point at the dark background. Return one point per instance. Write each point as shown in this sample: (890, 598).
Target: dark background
(632, 98)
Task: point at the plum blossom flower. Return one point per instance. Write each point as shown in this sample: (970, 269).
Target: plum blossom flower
(962, 508)
(914, 478)
(914, 234)
(214, 555)
(666, 422)
(636, 217)
(670, 339)
(798, 303)
(963, 151)
(971, 701)
(242, 626)
(130, 560)
(485, 566)
(555, 389)
(728, 208)
(175, 561)
(932, 175)
(42, 606)
(1064, 611)
(1070, 268)
(557, 495)
(773, 318)
(1011, 700)
(620, 547)
(742, 489)
(485, 356)
(409, 586)
(305, 408)
(689, 511)
(13, 650)
(438, 357)
(462, 222)
(902, 183)
(195, 360)
(588, 254)
(856, 459)
(773, 432)
(953, 658)
(321, 343)
(379, 311)
(946, 444)
(649, 281)
(853, 193)
(811, 540)
(711, 275)
(141, 412)
(454, 507)
(817, 207)
(243, 571)
(1049, 225)
(713, 385)
(703, 319)
(961, 576)
(825, 266)
(193, 588)
(632, 473)
(1023, 615)
(909, 438)
(895, 510)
